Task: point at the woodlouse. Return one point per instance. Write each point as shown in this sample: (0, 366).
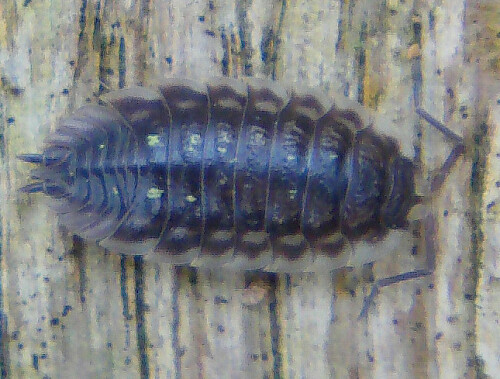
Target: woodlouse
(241, 174)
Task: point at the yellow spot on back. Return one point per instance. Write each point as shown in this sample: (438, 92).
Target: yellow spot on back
(154, 193)
(191, 198)
(153, 139)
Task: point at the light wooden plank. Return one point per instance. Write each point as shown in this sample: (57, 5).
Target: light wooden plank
(397, 325)
(452, 318)
(489, 292)
(483, 29)
(37, 288)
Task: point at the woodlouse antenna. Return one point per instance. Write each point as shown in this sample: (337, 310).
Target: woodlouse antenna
(450, 134)
(436, 183)
(386, 282)
(459, 148)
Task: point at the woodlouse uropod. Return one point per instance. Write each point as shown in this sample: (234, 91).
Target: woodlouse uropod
(241, 174)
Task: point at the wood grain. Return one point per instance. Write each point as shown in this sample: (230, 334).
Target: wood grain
(78, 311)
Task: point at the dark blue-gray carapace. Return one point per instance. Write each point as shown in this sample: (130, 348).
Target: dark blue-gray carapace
(242, 174)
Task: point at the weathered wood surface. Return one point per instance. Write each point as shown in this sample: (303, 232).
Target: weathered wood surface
(96, 314)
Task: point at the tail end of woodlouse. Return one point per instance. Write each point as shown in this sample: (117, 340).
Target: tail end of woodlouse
(32, 188)
(42, 159)
(44, 187)
(31, 158)
(46, 172)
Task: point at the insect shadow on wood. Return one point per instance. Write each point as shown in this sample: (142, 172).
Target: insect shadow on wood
(238, 174)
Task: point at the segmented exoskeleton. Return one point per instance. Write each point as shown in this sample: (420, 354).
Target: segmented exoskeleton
(241, 174)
